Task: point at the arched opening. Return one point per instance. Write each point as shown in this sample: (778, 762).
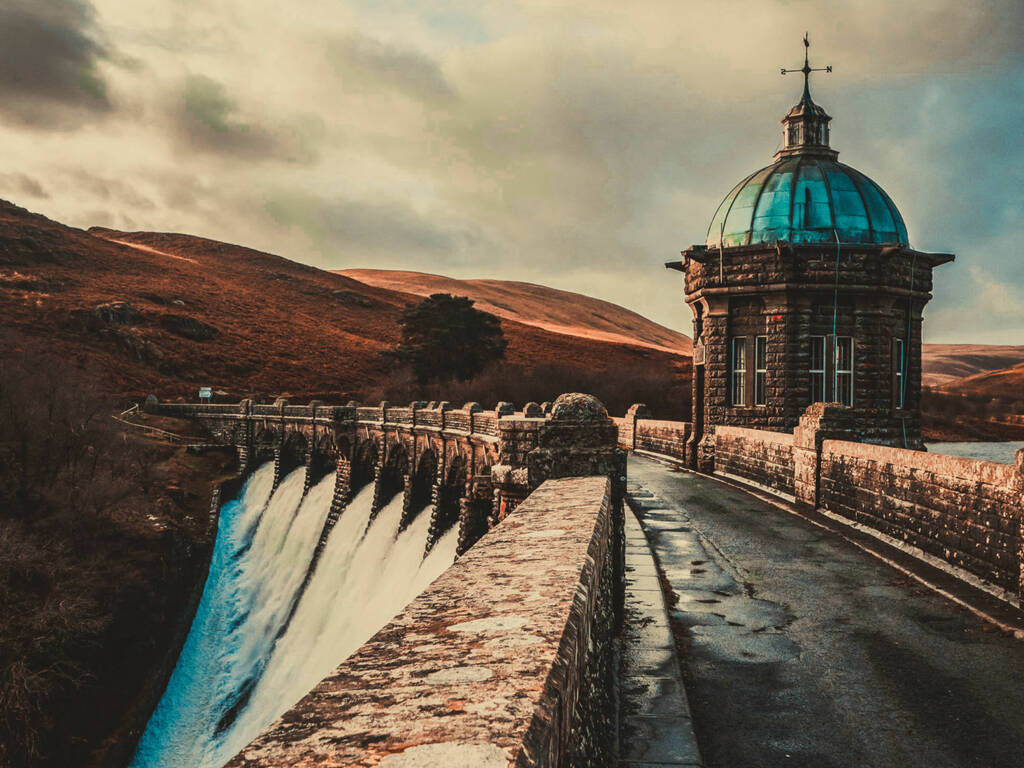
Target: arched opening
(364, 463)
(293, 453)
(392, 476)
(446, 509)
(421, 485)
(324, 459)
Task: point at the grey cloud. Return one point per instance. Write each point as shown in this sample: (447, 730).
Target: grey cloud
(365, 63)
(355, 228)
(22, 185)
(112, 191)
(49, 52)
(209, 119)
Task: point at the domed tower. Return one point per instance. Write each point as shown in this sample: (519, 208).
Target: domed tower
(807, 290)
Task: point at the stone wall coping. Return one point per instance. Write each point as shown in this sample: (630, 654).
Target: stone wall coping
(679, 426)
(757, 435)
(975, 470)
(486, 638)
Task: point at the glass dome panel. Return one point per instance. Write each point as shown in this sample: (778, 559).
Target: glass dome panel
(850, 215)
(771, 218)
(882, 225)
(737, 223)
(811, 208)
(901, 227)
(715, 228)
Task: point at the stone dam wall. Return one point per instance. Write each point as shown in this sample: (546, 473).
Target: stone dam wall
(966, 512)
(506, 660)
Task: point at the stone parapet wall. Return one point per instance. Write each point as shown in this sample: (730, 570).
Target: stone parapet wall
(665, 437)
(506, 660)
(762, 457)
(966, 512)
(963, 511)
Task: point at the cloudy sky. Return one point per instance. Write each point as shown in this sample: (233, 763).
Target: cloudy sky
(577, 143)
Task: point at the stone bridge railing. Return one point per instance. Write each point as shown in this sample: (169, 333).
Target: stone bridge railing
(471, 465)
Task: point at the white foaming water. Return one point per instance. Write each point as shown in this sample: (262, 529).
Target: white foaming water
(360, 583)
(237, 672)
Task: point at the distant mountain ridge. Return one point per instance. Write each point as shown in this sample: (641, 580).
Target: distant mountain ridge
(551, 309)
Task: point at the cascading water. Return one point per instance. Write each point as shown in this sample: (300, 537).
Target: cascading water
(253, 651)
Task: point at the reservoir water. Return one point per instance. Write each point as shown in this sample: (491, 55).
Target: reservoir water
(1001, 453)
(245, 662)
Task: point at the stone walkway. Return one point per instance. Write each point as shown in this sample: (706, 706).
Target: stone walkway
(655, 724)
(802, 651)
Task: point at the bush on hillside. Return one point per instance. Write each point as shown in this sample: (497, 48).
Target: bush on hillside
(445, 338)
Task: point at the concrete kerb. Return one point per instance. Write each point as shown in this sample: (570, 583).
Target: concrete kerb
(664, 733)
(939, 577)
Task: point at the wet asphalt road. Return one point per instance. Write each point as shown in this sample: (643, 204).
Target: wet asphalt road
(804, 651)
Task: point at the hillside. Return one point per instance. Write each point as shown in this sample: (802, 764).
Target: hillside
(945, 364)
(185, 311)
(550, 309)
(1006, 383)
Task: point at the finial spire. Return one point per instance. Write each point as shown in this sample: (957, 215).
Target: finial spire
(807, 68)
(805, 128)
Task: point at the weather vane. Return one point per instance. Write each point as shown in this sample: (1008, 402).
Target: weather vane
(807, 68)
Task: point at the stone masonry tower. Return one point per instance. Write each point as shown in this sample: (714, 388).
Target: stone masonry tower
(806, 290)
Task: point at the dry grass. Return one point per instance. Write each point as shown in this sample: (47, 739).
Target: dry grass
(88, 574)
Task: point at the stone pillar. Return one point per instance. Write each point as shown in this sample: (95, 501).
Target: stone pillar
(511, 487)
(474, 510)
(342, 485)
(471, 409)
(243, 439)
(378, 479)
(705, 451)
(409, 503)
(820, 422)
(627, 432)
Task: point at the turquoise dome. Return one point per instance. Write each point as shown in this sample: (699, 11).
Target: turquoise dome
(804, 198)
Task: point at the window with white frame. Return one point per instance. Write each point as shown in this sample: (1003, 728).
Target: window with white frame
(899, 372)
(760, 370)
(817, 369)
(739, 371)
(844, 370)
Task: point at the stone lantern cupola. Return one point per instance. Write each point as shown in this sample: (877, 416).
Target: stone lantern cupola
(805, 128)
(806, 290)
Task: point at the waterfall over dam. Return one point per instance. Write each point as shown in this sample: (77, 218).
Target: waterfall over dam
(264, 633)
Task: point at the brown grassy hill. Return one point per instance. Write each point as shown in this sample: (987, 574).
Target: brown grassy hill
(1007, 384)
(203, 312)
(944, 364)
(548, 308)
(973, 392)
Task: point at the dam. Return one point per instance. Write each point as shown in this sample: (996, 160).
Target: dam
(338, 518)
(431, 586)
